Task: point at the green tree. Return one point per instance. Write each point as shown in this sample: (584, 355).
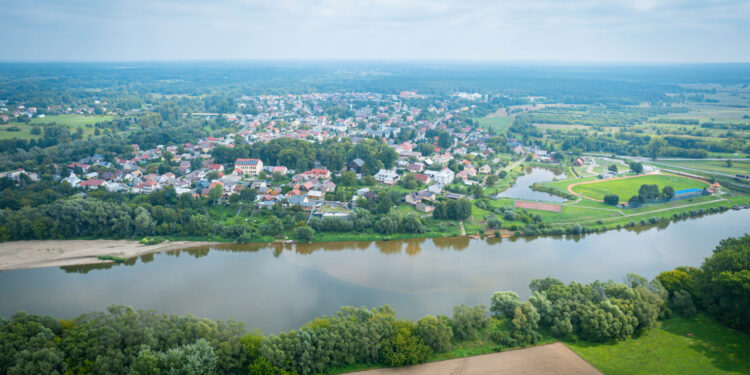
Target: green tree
(504, 303)
(667, 192)
(304, 234)
(491, 180)
(724, 285)
(349, 178)
(468, 322)
(436, 333)
(612, 199)
(248, 195)
(403, 347)
(215, 193)
(656, 147)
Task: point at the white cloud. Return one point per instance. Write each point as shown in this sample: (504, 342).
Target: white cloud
(624, 30)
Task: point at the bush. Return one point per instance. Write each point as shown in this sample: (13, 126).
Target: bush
(111, 258)
(151, 240)
(403, 347)
(304, 234)
(504, 303)
(468, 321)
(436, 333)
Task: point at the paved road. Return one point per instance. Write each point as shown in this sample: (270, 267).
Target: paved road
(549, 359)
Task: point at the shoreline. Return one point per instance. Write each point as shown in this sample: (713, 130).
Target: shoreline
(16, 255)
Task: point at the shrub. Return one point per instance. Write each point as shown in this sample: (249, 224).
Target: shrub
(469, 321)
(151, 240)
(304, 234)
(403, 347)
(436, 333)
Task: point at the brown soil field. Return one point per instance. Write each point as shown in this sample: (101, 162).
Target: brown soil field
(540, 360)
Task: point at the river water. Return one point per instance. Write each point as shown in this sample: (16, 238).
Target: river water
(279, 287)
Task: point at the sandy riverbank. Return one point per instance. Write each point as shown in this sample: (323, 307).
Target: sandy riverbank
(56, 253)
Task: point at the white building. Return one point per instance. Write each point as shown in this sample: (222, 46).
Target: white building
(443, 177)
(248, 166)
(387, 177)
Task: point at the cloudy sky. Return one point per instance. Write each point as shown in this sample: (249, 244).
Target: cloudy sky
(496, 30)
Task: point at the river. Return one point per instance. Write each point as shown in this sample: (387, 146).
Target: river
(279, 287)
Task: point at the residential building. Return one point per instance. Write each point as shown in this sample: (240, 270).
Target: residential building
(386, 176)
(248, 166)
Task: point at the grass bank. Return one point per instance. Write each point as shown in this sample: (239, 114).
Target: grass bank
(697, 345)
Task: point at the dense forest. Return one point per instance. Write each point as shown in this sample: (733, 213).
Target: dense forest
(125, 341)
(131, 82)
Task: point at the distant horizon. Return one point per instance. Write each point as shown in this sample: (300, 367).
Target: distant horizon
(389, 61)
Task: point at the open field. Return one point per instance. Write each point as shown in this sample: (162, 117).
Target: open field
(697, 345)
(738, 166)
(562, 127)
(627, 187)
(546, 359)
(499, 123)
(71, 121)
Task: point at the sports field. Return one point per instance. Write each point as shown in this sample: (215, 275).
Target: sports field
(628, 186)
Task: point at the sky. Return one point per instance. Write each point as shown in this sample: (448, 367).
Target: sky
(637, 31)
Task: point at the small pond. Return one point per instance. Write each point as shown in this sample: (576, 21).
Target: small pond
(522, 188)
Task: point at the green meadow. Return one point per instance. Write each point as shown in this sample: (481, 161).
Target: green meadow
(697, 345)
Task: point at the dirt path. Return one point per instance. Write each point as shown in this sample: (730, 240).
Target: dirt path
(513, 165)
(56, 253)
(540, 360)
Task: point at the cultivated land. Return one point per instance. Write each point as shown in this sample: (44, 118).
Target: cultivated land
(626, 187)
(56, 253)
(697, 345)
(546, 359)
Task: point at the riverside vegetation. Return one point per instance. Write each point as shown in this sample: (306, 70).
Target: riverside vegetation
(124, 341)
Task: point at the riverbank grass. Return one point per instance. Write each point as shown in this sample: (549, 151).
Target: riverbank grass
(697, 345)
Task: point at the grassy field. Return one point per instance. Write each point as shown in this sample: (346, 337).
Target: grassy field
(626, 188)
(738, 166)
(499, 123)
(71, 121)
(697, 345)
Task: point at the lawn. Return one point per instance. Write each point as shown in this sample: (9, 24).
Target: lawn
(626, 188)
(500, 124)
(697, 345)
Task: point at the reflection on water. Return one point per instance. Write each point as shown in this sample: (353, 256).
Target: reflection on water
(522, 188)
(280, 286)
